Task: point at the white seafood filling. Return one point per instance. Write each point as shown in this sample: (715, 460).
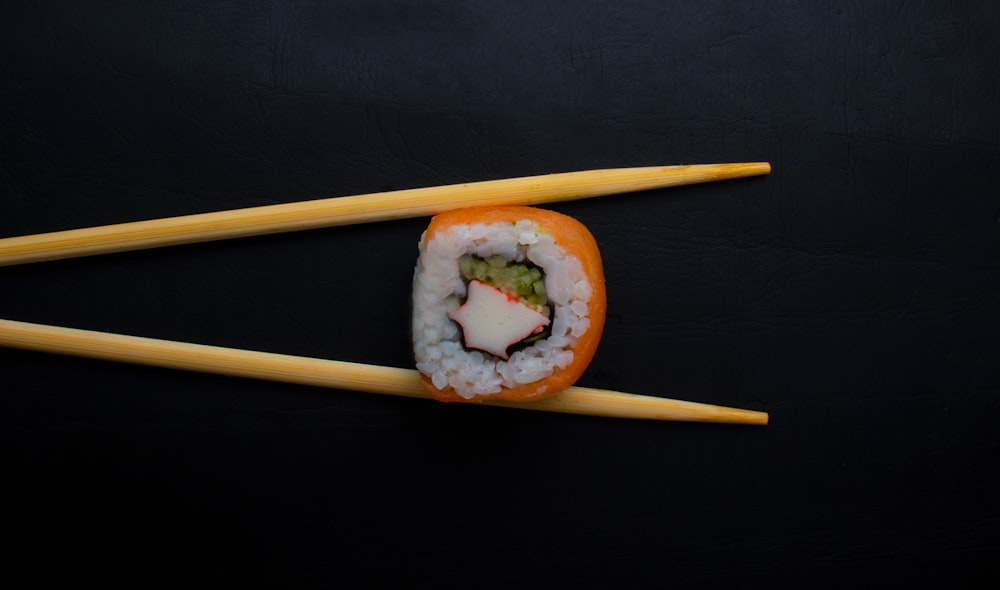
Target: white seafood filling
(438, 288)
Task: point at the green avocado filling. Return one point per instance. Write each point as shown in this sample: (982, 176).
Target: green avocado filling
(514, 278)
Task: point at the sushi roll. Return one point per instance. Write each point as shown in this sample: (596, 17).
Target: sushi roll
(508, 303)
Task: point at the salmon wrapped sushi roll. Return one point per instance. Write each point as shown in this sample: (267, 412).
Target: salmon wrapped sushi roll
(508, 303)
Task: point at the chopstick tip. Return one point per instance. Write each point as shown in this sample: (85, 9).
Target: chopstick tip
(757, 168)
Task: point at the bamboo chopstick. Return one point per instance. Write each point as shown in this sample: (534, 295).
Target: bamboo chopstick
(529, 190)
(339, 374)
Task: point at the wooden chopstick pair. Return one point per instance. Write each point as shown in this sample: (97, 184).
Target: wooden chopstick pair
(532, 190)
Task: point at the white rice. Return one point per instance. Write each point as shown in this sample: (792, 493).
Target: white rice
(438, 288)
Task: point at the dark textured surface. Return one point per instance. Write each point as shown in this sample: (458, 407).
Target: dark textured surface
(852, 293)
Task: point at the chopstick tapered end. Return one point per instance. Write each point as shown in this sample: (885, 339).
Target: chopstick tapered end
(755, 418)
(742, 169)
(616, 404)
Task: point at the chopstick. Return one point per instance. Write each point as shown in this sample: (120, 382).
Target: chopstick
(340, 374)
(419, 202)
(530, 190)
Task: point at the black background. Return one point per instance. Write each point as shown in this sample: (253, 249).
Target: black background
(852, 294)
